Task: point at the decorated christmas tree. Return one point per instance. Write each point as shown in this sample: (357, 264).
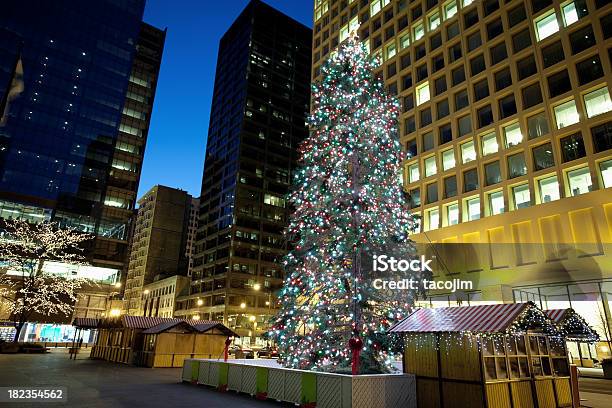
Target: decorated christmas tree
(349, 206)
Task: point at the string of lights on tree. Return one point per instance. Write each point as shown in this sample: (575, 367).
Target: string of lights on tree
(349, 204)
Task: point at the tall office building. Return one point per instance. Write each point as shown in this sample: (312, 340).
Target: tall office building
(159, 243)
(259, 107)
(77, 84)
(507, 122)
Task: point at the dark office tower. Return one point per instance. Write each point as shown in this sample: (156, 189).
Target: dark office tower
(259, 107)
(77, 82)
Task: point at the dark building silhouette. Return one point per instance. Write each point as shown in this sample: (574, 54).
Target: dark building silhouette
(77, 83)
(260, 102)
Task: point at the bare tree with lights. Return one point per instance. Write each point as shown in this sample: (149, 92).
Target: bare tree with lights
(25, 288)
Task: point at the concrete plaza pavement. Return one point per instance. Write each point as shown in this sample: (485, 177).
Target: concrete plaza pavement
(95, 383)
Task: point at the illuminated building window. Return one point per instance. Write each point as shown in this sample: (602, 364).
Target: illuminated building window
(496, 203)
(605, 169)
(418, 31)
(513, 135)
(489, 144)
(450, 9)
(548, 189)
(579, 181)
(423, 94)
(547, 25)
(391, 50)
(472, 209)
(521, 196)
(597, 102)
(404, 41)
(468, 152)
(452, 214)
(434, 21)
(566, 114)
(432, 219)
(448, 159)
(413, 173)
(574, 11)
(430, 166)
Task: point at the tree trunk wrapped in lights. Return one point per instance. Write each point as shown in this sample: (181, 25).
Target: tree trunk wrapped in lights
(349, 205)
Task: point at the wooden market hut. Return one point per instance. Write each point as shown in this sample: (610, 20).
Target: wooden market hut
(574, 329)
(169, 344)
(122, 339)
(502, 355)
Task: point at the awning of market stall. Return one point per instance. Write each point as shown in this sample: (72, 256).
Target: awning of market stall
(86, 322)
(573, 326)
(496, 318)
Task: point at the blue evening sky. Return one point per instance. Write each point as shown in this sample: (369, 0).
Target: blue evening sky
(177, 138)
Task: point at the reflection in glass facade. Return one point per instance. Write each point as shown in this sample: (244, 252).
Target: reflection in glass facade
(77, 84)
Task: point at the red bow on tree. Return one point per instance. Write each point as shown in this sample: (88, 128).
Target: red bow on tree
(355, 344)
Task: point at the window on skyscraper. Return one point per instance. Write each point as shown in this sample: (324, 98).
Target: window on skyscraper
(543, 157)
(566, 114)
(597, 102)
(472, 209)
(448, 159)
(492, 173)
(572, 147)
(516, 165)
(537, 125)
(452, 214)
(579, 181)
(468, 152)
(489, 144)
(513, 135)
(548, 189)
(546, 25)
(521, 196)
(496, 202)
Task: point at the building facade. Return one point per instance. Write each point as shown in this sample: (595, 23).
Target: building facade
(507, 124)
(159, 242)
(259, 107)
(77, 85)
(192, 229)
(159, 296)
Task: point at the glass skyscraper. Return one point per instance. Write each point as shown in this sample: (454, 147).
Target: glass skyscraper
(260, 102)
(77, 82)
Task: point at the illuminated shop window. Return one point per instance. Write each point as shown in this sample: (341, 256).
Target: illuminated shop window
(548, 189)
(579, 181)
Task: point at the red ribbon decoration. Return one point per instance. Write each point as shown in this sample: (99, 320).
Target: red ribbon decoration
(355, 344)
(228, 341)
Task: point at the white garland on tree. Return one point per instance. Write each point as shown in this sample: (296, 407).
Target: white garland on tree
(25, 288)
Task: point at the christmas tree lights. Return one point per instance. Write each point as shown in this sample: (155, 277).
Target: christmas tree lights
(349, 205)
